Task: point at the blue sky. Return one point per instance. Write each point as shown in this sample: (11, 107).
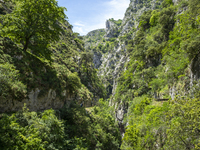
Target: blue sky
(88, 15)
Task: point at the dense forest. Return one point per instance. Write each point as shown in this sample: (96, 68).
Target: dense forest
(131, 86)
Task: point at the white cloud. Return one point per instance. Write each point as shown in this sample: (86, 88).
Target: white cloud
(79, 27)
(111, 9)
(79, 24)
(83, 30)
(116, 8)
(79, 30)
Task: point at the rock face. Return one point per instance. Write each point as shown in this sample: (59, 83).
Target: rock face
(175, 1)
(111, 29)
(109, 24)
(121, 111)
(92, 36)
(195, 68)
(193, 75)
(113, 62)
(113, 65)
(97, 59)
(134, 11)
(35, 102)
(96, 32)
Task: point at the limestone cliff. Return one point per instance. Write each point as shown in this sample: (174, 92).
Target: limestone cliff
(39, 103)
(114, 53)
(114, 49)
(42, 83)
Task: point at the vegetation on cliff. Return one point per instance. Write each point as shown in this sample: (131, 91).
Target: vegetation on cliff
(163, 55)
(162, 47)
(44, 54)
(39, 50)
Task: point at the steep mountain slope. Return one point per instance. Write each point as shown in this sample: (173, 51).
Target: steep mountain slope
(112, 45)
(111, 50)
(46, 80)
(152, 57)
(148, 63)
(45, 86)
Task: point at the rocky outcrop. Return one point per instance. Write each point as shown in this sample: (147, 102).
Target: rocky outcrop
(113, 65)
(195, 67)
(121, 111)
(189, 85)
(97, 59)
(93, 36)
(175, 1)
(114, 61)
(111, 29)
(134, 11)
(109, 25)
(95, 32)
(35, 102)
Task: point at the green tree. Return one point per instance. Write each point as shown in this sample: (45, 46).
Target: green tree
(10, 84)
(183, 120)
(30, 130)
(34, 24)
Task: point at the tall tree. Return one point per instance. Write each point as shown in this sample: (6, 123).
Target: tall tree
(34, 23)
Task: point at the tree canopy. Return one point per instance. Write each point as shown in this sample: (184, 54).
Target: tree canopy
(34, 24)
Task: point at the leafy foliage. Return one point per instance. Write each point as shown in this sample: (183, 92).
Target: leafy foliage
(34, 68)
(164, 47)
(34, 24)
(78, 129)
(96, 128)
(10, 85)
(172, 125)
(29, 130)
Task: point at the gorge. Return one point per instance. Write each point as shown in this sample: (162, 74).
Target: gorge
(133, 85)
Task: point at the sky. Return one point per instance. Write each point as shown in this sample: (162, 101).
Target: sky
(88, 15)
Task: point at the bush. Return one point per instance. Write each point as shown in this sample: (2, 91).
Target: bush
(10, 84)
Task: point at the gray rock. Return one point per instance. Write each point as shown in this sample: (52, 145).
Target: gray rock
(36, 103)
(97, 60)
(111, 29)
